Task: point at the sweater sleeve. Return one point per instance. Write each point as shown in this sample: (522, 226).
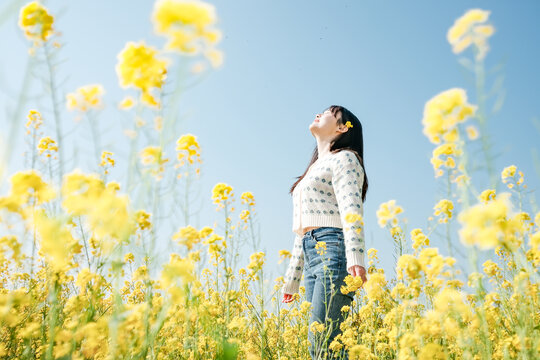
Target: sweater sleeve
(296, 266)
(347, 181)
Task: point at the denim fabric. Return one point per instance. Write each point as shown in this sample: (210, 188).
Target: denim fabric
(326, 300)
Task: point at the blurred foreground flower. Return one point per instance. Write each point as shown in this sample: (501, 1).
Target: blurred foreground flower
(469, 29)
(107, 212)
(388, 212)
(26, 187)
(443, 112)
(153, 156)
(139, 66)
(57, 244)
(85, 98)
(36, 22)
(487, 225)
(187, 24)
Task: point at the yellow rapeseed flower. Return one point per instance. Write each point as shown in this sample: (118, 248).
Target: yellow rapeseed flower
(205, 231)
(139, 66)
(106, 160)
(143, 219)
(408, 265)
(37, 23)
(108, 213)
(127, 103)
(387, 212)
(25, 186)
(154, 156)
(244, 215)
(238, 324)
(56, 242)
(284, 254)
(247, 198)
(419, 238)
(188, 236)
(451, 300)
(447, 149)
(461, 180)
(487, 195)
(375, 286)
(360, 351)
(463, 23)
(431, 261)
(372, 253)
(129, 258)
(187, 25)
(14, 245)
(509, 173)
(187, 143)
(534, 241)
(47, 145)
(444, 206)
(177, 268)
(31, 329)
(85, 98)
(321, 246)
(221, 193)
(431, 351)
(356, 219)
(491, 268)
(470, 29)
(141, 273)
(444, 111)
(487, 225)
(256, 262)
(34, 119)
(316, 327)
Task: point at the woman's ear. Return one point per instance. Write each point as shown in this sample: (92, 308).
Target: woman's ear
(343, 128)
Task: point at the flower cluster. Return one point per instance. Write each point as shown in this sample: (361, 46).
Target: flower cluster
(140, 67)
(37, 22)
(471, 29)
(86, 98)
(188, 27)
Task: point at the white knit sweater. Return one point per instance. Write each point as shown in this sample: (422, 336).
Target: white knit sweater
(331, 189)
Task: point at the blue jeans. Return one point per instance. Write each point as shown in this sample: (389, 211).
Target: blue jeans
(320, 272)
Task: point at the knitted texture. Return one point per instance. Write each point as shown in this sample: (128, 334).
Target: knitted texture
(331, 190)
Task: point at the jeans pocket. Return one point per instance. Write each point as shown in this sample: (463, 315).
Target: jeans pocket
(334, 254)
(331, 238)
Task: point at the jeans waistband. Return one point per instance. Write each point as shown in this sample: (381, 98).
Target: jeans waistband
(322, 230)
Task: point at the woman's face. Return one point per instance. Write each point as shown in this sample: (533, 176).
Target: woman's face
(325, 125)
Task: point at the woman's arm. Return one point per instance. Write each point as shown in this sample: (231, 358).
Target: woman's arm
(347, 181)
(295, 269)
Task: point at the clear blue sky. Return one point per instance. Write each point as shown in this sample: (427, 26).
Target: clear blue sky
(284, 62)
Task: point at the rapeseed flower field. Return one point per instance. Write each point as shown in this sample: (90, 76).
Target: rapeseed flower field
(80, 294)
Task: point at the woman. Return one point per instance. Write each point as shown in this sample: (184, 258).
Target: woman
(325, 199)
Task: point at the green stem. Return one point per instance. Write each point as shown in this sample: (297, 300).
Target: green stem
(56, 111)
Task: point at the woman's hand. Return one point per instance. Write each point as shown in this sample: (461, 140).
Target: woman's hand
(357, 270)
(287, 298)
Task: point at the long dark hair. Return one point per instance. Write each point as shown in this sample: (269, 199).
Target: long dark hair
(351, 140)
